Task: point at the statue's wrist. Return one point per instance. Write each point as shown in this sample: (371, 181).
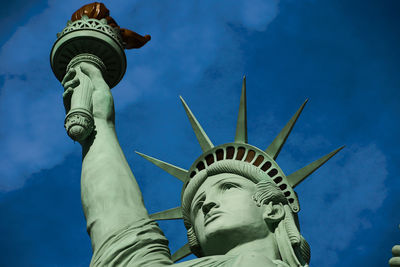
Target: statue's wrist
(103, 127)
(103, 123)
(98, 81)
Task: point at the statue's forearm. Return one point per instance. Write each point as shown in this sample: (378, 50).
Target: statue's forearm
(111, 197)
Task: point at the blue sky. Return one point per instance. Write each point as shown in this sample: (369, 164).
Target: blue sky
(342, 55)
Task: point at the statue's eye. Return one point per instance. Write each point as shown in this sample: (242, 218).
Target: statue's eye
(227, 186)
(199, 203)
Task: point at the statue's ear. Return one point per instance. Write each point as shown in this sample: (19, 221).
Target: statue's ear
(273, 212)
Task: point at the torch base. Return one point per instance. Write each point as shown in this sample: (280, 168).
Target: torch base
(79, 124)
(90, 36)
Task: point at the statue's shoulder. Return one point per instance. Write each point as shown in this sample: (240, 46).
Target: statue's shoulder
(279, 263)
(210, 261)
(250, 259)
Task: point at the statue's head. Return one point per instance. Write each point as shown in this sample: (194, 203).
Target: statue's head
(235, 193)
(224, 214)
(231, 202)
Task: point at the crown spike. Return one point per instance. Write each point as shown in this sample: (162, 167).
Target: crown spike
(179, 173)
(202, 137)
(171, 214)
(181, 253)
(298, 176)
(275, 147)
(241, 126)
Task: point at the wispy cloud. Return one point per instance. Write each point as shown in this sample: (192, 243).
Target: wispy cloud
(188, 40)
(336, 201)
(351, 186)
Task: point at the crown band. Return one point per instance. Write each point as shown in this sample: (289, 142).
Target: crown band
(249, 155)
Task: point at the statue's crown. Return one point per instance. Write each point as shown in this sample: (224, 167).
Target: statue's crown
(242, 154)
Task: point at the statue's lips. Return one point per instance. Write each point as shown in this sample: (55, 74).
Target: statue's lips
(211, 217)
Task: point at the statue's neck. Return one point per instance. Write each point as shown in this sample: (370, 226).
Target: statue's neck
(267, 246)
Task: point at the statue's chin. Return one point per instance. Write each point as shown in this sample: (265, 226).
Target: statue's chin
(220, 238)
(217, 228)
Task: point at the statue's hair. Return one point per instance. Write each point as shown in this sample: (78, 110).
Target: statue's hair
(266, 191)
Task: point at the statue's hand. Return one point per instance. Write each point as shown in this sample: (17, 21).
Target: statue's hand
(395, 260)
(102, 100)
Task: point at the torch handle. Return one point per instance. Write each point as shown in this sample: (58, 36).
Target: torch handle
(79, 120)
(82, 96)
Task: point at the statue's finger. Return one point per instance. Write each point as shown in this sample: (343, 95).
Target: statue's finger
(396, 250)
(68, 76)
(68, 92)
(72, 83)
(394, 262)
(67, 98)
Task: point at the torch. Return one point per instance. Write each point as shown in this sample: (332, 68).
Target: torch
(91, 36)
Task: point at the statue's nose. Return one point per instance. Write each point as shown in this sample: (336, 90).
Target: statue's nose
(207, 206)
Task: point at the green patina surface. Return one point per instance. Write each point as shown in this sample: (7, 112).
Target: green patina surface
(237, 204)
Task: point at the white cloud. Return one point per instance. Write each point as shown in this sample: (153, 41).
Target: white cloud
(257, 14)
(187, 41)
(347, 188)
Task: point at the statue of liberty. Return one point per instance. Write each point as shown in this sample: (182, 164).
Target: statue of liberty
(238, 206)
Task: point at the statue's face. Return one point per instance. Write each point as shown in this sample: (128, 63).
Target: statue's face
(224, 214)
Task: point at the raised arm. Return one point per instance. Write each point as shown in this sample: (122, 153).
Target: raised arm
(110, 195)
